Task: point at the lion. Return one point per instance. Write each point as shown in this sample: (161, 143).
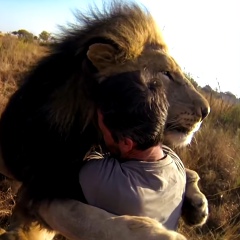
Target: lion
(50, 123)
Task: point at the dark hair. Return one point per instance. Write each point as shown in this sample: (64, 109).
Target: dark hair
(134, 105)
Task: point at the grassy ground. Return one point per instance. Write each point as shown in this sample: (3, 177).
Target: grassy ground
(214, 152)
(215, 155)
(15, 59)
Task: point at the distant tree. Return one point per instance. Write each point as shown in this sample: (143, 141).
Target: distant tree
(53, 39)
(230, 94)
(24, 35)
(189, 77)
(207, 88)
(45, 36)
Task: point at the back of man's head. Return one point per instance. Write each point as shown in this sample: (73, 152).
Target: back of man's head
(134, 105)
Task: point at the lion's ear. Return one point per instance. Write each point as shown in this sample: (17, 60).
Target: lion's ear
(101, 55)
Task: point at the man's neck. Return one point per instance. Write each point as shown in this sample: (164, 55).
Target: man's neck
(150, 155)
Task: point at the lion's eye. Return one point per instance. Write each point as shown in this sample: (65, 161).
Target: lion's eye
(168, 74)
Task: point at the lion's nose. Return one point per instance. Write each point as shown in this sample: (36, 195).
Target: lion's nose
(205, 111)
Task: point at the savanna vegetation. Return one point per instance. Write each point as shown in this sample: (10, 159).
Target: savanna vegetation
(214, 152)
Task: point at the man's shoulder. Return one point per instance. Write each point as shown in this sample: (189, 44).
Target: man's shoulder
(99, 165)
(167, 150)
(104, 182)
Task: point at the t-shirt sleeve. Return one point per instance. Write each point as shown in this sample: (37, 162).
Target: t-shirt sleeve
(176, 159)
(107, 186)
(97, 180)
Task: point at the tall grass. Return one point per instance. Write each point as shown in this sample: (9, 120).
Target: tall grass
(16, 57)
(214, 152)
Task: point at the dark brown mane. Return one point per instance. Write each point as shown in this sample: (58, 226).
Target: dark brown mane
(51, 116)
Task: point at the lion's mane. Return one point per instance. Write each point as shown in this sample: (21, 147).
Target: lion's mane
(49, 122)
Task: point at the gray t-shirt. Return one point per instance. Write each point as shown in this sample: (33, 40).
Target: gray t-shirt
(153, 189)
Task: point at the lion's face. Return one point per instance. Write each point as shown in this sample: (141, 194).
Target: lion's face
(187, 107)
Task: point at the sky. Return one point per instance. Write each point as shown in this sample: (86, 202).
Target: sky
(202, 35)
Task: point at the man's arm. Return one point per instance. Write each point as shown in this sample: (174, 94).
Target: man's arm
(105, 185)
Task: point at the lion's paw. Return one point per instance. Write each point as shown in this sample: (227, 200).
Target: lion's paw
(11, 236)
(195, 209)
(2, 231)
(141, 228)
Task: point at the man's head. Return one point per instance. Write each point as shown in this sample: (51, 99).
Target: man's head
(132, 111)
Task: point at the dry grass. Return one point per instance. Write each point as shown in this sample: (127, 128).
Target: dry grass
(15, 58)
(6, 201)
(214, 153)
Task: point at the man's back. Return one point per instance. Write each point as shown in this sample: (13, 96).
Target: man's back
(154, 189)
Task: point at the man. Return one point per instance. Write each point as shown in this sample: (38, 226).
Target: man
(140, 176)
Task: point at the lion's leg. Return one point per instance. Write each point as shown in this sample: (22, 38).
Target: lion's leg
(195, 205)
(2, 231)
(23, 225)
(33, 232)
(76, 220)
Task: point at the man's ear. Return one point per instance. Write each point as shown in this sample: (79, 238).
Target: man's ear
(126, 145)
(101, 55)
